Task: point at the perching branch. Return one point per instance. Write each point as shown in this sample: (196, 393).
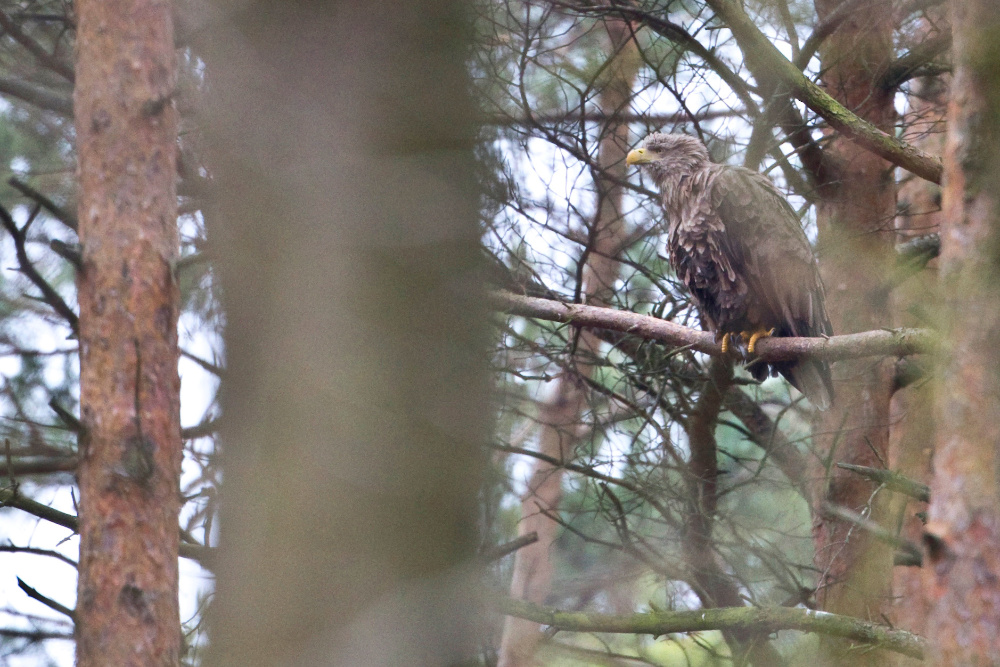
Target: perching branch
(895, 342)
(757, 619)
(766, 62)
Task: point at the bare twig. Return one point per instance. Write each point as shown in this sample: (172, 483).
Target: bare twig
(49, 294)
(35, 551)
(61, 214)
(911, 552)
(910, 63)
(34, 635)
(766, 62)
(498, 552)
(47, 601)
(214, 369)
(44, 466)
(67, 417)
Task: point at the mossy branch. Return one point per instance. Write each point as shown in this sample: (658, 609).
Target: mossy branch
(756, 619)
(766, 62)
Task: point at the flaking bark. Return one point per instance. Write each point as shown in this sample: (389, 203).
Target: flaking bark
(961, 577)
(130, 450)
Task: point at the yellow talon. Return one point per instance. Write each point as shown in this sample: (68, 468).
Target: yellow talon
(756, 336)
(725, 343)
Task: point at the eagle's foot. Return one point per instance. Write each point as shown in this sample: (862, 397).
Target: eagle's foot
(753, 337)
(725, 342)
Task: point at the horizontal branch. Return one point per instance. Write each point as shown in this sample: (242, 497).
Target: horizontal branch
(756, 619)
(11, 498)
(596, 116)
(43, 98)
(38, 466)
(824, 29)
(896, 342)
(765, 61)
(34, 635)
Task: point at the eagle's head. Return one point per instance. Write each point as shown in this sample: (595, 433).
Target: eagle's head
(664, 155)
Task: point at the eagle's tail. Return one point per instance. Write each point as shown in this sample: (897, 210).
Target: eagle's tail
(812, 378)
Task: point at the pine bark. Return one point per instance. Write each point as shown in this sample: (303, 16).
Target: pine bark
(962, 564)
(855, 219)
(130, 451)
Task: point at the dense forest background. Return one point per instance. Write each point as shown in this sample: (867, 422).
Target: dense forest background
(428, 334)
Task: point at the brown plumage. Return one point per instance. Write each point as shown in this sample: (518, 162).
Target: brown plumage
(740, 249)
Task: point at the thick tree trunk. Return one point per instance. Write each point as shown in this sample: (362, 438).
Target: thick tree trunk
(855, 217)
(355, 397)
(560, 415)
(962, 565)
(130, 451)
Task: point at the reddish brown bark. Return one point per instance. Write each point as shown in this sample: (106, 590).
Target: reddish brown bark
(855, 217)
(560, 416)
(911, 438)
(962, 564)
(130, 454)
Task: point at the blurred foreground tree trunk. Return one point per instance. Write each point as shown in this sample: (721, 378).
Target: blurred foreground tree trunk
(915, 301)
(355, 403)
(962, 566)
(855, 218)
(130, 449)
(561, 416)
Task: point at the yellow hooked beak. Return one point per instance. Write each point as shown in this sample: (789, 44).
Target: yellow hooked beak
(638, 156)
